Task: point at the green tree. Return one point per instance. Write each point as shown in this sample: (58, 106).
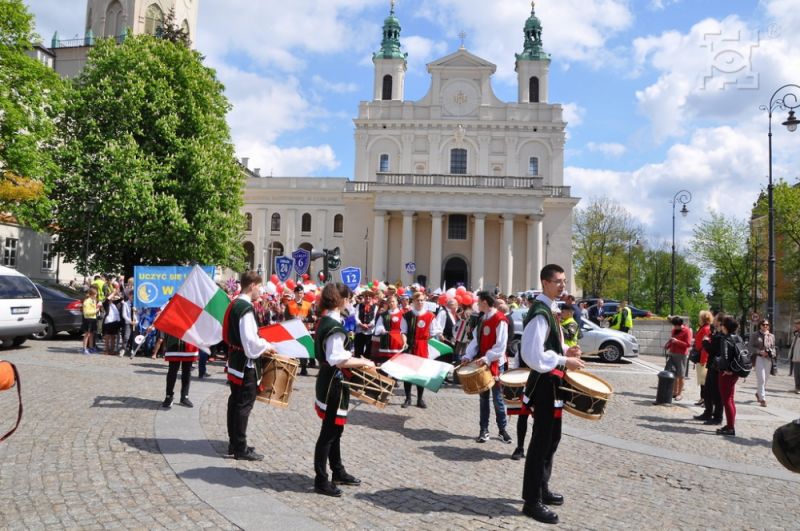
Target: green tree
(150, 174)
(720, 245)
(31, 99)
(653, 278)
(602, 233)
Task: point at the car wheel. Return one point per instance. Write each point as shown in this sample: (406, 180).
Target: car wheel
(612, 352)
(18, 341)
(49, 329)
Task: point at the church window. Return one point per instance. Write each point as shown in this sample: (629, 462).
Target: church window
(456, 227)
(458, 161)
(114, 20)
(383, 167)
(338, 224)
(153, 19)
(275, 225)
(533, 167)
(533, 89)
(248, 222)
(386, 93)
(305, 224)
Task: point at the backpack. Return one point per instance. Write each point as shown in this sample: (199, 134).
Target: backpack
(786, 445)
(741, 363)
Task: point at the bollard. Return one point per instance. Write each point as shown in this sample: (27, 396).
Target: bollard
(666, 382)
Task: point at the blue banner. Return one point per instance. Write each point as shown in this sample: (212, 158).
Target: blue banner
(301, 260)
(351, 277)
(153, 286)
(283, 267)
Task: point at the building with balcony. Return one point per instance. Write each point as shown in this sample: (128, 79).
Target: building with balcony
(468, 188)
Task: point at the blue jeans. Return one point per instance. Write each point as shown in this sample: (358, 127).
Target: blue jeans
(499, 408)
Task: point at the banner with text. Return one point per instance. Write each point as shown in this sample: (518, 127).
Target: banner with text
(154, 285)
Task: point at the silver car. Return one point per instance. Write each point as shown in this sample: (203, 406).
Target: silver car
(613, 343)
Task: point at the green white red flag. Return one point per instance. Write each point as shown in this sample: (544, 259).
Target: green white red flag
(196, 312)
(438, 348)
(289, 338)
(426, 372)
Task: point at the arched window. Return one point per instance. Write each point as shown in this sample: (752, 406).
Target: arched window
(338, 224)
(383, 165)
(386, 94)
(456, 227)
(248, 222)
(113, 20)
(249, 254)
(185, 28)
(533, 90)
(275, 224)
(458, 161)
(533, 167)
(153, 19)
(305, 223)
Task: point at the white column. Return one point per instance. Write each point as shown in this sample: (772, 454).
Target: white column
(322, 229)
(435, 273)
(507, 254)
(478, 251)
(291, 232)
(378, 269)
(534, 252)
(407, 246)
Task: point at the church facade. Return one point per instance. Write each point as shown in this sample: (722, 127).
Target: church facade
(455, 188)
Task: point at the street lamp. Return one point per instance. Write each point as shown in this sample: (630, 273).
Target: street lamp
(638, 245)
(789, 102)
(684, 197)
(90, 204)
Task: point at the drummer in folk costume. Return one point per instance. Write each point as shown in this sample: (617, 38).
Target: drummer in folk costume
(244, 367)
(299, 308)
(489, 345)
(417, 326)
(387, 326)
(332, 349)
(543, 350)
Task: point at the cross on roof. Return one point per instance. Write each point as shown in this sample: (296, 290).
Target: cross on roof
(462, 36)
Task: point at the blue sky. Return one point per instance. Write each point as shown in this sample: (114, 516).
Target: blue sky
(660, 95)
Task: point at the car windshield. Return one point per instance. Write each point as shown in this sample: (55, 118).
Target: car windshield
(14, 287)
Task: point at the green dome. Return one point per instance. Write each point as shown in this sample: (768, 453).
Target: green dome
(390, 45)
(532, 49)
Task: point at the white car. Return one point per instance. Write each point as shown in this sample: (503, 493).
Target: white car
(614, 344)
(20, 308)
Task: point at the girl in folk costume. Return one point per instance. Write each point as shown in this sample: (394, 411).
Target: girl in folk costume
(388, 328)
(180, 355)
(417, 327)
(333, 350)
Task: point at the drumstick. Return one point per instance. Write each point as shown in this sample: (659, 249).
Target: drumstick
(593, 352)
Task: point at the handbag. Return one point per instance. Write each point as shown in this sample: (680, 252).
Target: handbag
(694, 355)
(773, 371)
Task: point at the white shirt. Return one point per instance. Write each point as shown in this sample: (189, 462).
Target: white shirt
(335, 352)
(441, 319)
(252, 344)
(126, 312)
(434, 327)
(497, 351)
(113, 313)
(370, 323)
(533, 337)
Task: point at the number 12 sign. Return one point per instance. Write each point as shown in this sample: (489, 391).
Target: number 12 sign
(351, 277)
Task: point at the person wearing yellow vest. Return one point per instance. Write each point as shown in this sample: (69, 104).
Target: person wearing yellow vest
(623, 319)
(569, 326)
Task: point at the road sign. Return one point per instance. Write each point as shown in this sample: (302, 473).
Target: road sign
(351, 276)
(301, 260)
(283, 267)
(410, 267)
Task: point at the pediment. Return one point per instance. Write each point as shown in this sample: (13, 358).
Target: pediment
(461, 59)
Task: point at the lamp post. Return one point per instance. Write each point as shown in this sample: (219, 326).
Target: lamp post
(684, 197)
(90, 207)
(788, 102)
(638, 245)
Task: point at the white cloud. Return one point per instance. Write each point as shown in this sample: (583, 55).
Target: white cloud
(660, 5)
(573, 114)
(293, 161)
(329, 86)
(611, 149)
(421, 51)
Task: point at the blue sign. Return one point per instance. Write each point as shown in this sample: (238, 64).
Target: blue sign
(410, 267)
(153, 286)
(301, 260)
(351, 277)
(283, 267)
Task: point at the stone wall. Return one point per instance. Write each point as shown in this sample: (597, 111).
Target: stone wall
(652, 335)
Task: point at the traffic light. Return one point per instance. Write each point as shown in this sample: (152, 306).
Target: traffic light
(333, 259)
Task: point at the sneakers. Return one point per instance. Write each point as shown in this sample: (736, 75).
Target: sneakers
(482, 437)
(85, 351)
(518, 454)
(186, 402)
(505, 437)
(167, 402)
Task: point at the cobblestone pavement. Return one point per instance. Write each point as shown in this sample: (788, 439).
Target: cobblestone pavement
(87, 456)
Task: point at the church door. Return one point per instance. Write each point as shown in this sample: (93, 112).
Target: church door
(455, 272)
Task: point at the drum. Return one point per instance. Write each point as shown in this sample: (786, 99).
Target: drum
(513, 383)
(277, 380)
(475, 379)
(585, 394)
(369, 386)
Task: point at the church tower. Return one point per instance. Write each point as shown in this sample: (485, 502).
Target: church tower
(112, 18)
(533, 64)
(390, 62)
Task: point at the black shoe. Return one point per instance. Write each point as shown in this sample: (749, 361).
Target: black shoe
(712, 422)
(186, 402)
(552, 498)
(730, 432)
(346, 479)
(303, 372)
(505, 437)
(518, 454)
(328, 489)
(248, 449)
(539, 511)
(421, 404)
(406, 404)
(249, 455)
(482, 437)
(167, 402)
(702, 417)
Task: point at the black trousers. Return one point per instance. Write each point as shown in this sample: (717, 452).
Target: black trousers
(522, 430)
(327, 449)
(172, 376)
(240, 404)
(363, 346)
(713, 400)
(544, 442)
(407, 389)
